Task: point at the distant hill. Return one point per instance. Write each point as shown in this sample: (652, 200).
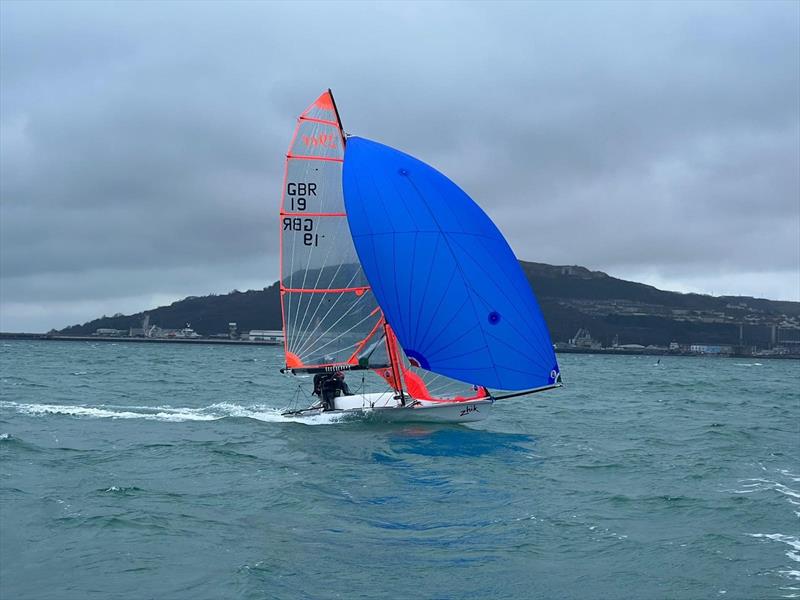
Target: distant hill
(571, 297)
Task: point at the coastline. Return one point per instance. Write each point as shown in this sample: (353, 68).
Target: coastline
(228, 342)
(136, 340)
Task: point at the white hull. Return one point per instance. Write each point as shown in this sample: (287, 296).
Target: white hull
(385, 408)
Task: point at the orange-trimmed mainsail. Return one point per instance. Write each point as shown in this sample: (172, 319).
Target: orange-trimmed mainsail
(330, 316)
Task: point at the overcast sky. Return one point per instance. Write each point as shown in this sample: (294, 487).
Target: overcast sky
(142, 144)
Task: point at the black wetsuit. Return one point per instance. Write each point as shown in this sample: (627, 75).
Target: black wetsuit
(327, 387)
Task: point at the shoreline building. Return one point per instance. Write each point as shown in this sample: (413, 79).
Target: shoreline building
(273, 336)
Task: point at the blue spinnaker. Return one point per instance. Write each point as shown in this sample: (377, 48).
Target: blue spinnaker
(446, 279)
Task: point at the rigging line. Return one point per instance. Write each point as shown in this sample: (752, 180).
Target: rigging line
(308, 342)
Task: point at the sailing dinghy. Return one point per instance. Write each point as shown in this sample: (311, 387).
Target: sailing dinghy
(394, 275)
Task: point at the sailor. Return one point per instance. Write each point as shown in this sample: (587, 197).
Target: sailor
(328, 387)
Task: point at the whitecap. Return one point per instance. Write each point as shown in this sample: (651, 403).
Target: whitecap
(789, 540)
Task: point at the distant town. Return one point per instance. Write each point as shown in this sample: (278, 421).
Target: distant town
(781, 345)
(154, 332)
(583, 342)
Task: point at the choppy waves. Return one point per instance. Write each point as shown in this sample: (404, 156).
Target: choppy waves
(775, 484)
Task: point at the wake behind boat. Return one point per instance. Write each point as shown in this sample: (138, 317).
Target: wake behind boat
(390, 271)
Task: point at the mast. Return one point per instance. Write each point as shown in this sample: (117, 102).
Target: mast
(338, 118)
(394, 360)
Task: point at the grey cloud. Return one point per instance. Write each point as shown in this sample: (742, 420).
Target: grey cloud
(148, 138)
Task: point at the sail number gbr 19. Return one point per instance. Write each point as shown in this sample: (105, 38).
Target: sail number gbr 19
(297, 194)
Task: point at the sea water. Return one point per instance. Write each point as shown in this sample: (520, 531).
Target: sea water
(166, 471)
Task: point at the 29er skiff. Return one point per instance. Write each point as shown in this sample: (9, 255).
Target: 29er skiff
(391, 272)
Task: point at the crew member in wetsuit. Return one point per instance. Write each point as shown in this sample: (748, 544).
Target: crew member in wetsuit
(328, 386)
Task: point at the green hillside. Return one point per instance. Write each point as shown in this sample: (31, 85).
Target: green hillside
(571, 297)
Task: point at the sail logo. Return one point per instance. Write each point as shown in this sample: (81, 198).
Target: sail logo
(321, 140)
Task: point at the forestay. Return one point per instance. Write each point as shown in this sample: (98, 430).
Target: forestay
(330, 315)
(444, 276)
